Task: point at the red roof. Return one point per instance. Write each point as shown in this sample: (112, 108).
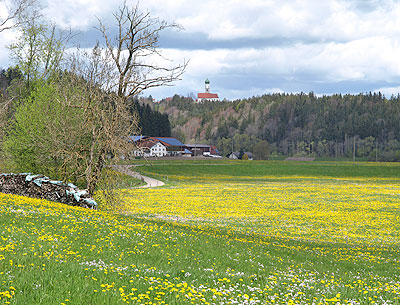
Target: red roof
(207, 95)
(148, 143)
(168, 141)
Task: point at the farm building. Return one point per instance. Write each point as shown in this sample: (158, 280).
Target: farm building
(187, 153)
(248, 154)
(237, 155)
(174, 146)
(199, 149)
(234, 155)
(168, 146)
(149, 148)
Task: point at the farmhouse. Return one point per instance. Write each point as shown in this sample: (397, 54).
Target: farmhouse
(174, 146)
(157, 146)
(168, 146)
(148, 147)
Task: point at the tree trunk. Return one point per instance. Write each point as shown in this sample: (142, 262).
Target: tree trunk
(95, 172)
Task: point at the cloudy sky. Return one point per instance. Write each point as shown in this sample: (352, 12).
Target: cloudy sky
(253, 47)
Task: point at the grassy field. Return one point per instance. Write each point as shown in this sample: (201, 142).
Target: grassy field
(219, 232)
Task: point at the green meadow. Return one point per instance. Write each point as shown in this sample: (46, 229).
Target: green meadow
(237, 168)
(218, 232)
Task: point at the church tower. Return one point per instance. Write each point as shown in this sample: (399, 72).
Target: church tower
(207, 96)
(207, 83)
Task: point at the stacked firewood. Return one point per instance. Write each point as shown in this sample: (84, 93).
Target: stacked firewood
(39, 186)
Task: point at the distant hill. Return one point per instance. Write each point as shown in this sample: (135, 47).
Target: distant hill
(293, 124)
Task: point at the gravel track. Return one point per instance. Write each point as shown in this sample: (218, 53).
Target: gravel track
(150, 182)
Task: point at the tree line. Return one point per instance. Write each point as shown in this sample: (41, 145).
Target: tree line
(362, 125)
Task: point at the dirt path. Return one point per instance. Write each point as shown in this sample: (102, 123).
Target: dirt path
(150, 182)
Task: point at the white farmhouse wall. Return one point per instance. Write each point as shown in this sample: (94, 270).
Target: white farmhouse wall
(158, 150)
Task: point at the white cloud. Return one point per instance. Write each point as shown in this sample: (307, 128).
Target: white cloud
(324, 20)
(389, 91)
(327, 41)
(372, 59)
(6, 38)
(79, 14)
(229, 19)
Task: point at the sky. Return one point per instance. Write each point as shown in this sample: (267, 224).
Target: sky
(250, 48)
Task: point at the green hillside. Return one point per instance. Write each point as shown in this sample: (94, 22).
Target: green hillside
(293, 124)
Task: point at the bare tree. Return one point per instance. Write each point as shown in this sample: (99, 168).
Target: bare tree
(122, 69)
(107, 120)
(18, 11)
(134, 49)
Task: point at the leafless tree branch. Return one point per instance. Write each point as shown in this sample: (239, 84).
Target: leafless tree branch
(137, 39)
(18, 11)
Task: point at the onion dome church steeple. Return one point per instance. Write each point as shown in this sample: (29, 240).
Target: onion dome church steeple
(207, 85)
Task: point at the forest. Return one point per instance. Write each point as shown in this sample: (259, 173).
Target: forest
(151, 122)
(362, 126)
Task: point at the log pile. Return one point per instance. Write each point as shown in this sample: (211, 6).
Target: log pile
(39, 186)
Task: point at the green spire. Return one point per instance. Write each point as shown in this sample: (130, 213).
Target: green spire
(207, 81)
